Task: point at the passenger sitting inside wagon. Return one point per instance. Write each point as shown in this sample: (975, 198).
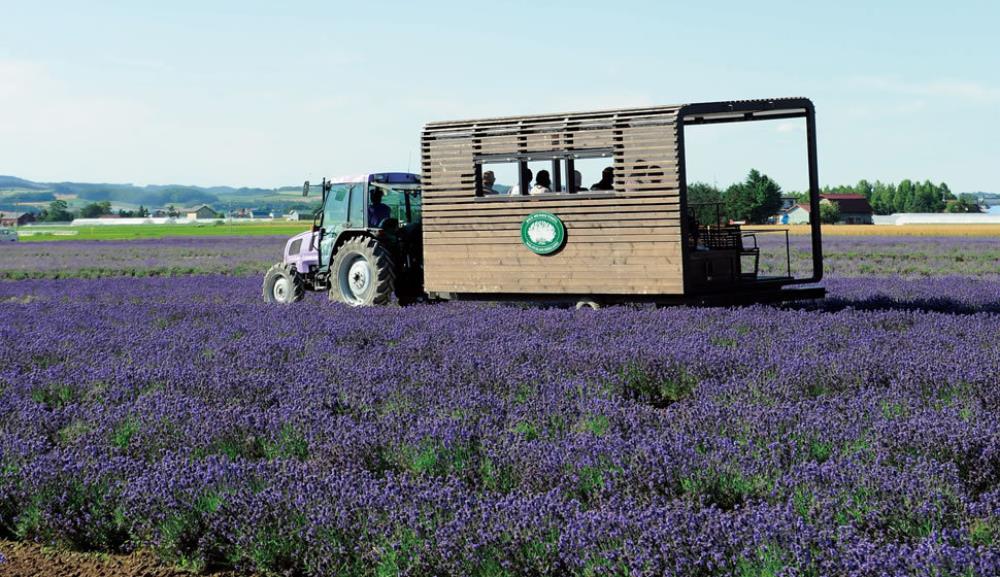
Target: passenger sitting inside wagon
(489, 179)
(607, 181)
(543, 184)
(516, 189)
(377, 210)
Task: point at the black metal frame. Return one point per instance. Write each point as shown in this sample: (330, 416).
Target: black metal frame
(748, 111)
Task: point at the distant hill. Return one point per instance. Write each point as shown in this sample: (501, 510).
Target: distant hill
(989, 198)
(13, 182)
(18, 190)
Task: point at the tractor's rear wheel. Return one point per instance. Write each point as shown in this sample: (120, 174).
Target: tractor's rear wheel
(283, 285)
(363, 273)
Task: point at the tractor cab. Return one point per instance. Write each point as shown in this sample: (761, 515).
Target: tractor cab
(364, 245)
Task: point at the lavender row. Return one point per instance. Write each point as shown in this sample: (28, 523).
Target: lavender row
(956, 294)
(843, 256)
(906, 256)
(238, 255)
(463, 440)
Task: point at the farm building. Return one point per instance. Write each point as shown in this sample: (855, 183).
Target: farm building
(854, 209)
(16, 218)
(199, 212)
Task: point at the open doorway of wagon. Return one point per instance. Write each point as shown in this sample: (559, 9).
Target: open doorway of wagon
(756, 174)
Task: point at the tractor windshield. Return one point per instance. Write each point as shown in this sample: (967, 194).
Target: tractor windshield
(404, 203)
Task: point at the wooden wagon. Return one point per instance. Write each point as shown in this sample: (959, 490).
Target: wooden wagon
(637, 241)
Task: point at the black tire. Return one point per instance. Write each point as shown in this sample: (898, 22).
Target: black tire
(362, 273)
(283, 285)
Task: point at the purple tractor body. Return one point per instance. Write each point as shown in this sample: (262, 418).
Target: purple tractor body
(301, 253)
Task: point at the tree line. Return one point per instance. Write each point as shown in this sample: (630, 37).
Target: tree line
(59, 211)
(755, 199)
(907, 196)
(758, 198)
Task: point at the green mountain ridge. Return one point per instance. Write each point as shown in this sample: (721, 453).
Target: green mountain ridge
(15, 190)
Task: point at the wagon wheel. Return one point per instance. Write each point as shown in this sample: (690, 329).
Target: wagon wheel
(588, 304)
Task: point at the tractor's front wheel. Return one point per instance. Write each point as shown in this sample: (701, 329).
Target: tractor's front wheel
(283, 285)
(362, 273)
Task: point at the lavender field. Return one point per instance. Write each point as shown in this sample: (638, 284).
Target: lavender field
(238, 255)
(857, 436)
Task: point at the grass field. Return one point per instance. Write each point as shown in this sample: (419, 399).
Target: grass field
(129, 232)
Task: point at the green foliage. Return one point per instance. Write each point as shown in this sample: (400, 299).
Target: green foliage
(725, 489)
(58, 211)
(96, 209)
(704, 201)
(290, 444)
(526, 429)
(429, 458)
(500, 478)
(754, 200)
(122, 435)
(659, 391)
(398, 556)
(596, 425)
(73, 431)
(54, 395)
(984, 532)
(962, 205)
(767, 562)
(592, 480)
(829, 212)
(803, 502)
(907, 196)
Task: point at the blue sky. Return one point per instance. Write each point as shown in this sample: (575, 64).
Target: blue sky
(268, 94)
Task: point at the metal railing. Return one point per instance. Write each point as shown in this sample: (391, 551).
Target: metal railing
(751, 234)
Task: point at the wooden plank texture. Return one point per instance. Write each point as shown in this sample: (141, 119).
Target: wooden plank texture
(626, 241)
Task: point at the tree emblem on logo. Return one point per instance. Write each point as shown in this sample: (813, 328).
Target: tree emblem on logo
(543, 232)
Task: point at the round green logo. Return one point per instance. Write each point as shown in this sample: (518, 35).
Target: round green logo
(543, 232)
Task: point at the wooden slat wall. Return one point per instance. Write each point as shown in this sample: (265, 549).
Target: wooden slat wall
(628, 242)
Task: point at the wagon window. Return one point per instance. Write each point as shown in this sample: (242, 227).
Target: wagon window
(591, 171)
(504, 178)
(499, 176)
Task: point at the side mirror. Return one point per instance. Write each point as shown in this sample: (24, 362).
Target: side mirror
(305, 189)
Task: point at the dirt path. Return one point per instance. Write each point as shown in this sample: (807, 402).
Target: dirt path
(31, 560)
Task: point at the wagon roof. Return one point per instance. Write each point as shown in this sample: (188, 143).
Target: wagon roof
(721, 111)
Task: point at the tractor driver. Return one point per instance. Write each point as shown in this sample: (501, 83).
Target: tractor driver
(377, 211)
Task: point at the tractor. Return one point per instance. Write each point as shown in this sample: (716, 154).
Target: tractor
(457, 232)
(364, 245)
